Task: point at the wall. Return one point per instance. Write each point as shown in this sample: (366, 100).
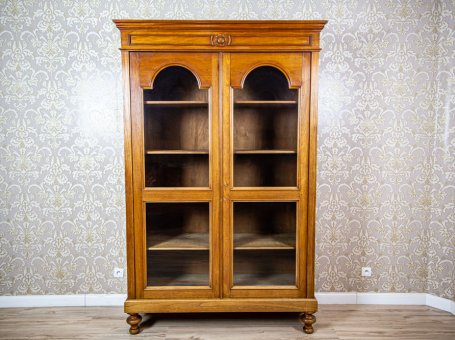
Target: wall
(386, 180)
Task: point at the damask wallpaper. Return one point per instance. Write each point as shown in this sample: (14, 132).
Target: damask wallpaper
(386, 179)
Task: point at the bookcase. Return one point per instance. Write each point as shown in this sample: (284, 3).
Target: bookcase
(220, 166)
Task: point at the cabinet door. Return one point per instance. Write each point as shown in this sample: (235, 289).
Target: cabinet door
(265, 174)
(175, 142)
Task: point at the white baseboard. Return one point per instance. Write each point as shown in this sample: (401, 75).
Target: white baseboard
(391, 298)
(104, 299)
(348, 298)
(440, 303)
(42, 301)
(78, 300)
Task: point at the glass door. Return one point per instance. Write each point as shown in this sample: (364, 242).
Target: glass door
(176, 189)
(266, 226)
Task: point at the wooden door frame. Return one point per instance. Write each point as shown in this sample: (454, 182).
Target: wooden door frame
(301, 194)
(142, 195)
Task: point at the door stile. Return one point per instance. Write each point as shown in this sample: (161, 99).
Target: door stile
(226, 179)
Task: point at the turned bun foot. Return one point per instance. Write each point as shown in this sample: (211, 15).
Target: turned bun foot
(134, 320)
(308, 320)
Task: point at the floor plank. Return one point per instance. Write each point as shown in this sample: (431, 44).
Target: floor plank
(334, 322)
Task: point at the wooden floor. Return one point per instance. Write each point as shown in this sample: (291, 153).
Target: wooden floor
(334, 322)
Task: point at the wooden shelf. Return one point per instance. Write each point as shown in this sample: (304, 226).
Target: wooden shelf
(272, 279)
(264, 152)
(177, 152)
(187, 241)
(176, 102)
(247, 241)
(265, 102)
(200, 241)
(185, 279)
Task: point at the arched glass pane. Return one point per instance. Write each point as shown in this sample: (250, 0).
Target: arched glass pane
(176, 131)
(265, 130)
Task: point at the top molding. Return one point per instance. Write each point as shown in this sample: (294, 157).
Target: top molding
(220, 35)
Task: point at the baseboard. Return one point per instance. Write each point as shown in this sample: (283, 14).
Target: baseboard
(42, 301)
(440, 303)
(391, 298)
(347, 298)
(78, 300)
(104, 299)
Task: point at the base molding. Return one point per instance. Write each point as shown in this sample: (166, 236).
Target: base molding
(347, 298)
(221, 305)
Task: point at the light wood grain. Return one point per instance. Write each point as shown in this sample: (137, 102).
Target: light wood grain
(312, 164)
(242, 35)
(128, 155)
(335, 322)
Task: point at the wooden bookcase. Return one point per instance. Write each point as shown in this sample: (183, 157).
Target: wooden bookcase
(220, 166)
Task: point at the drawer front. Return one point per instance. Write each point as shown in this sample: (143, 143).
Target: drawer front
(223, 41)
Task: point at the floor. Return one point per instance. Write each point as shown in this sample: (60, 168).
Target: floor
(334, 322)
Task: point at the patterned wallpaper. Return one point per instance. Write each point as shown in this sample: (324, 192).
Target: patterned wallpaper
(386, 180)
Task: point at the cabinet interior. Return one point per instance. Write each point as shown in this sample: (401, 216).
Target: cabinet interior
(265, 130)
(264, 243)
(177, 243)
(176, 131)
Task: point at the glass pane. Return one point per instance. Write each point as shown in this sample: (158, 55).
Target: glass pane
(176, 131)
(265, 130)
(178, 244)
(264, 243)
(264, 268)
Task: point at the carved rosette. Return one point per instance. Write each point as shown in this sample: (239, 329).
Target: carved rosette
(220, 39)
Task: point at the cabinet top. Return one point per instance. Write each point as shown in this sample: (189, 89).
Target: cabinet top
(220, 35)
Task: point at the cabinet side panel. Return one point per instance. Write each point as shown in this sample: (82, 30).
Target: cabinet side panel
(312, 173)
(128, 174)
(303, 160)
(138, 181)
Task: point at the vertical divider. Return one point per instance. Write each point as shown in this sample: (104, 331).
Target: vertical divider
(215, 172)
(226, 178)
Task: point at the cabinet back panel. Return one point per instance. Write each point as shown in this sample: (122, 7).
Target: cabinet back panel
(265, 170)
(173, 218)
(177, 171)
(264, 217)
(178, 268)
(265, 128)
(264, 267)
(171, 128)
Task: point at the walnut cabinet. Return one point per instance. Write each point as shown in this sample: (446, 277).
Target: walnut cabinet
(220, 166)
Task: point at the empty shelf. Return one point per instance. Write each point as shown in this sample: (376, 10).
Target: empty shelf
(258, 241)
(187, 241)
